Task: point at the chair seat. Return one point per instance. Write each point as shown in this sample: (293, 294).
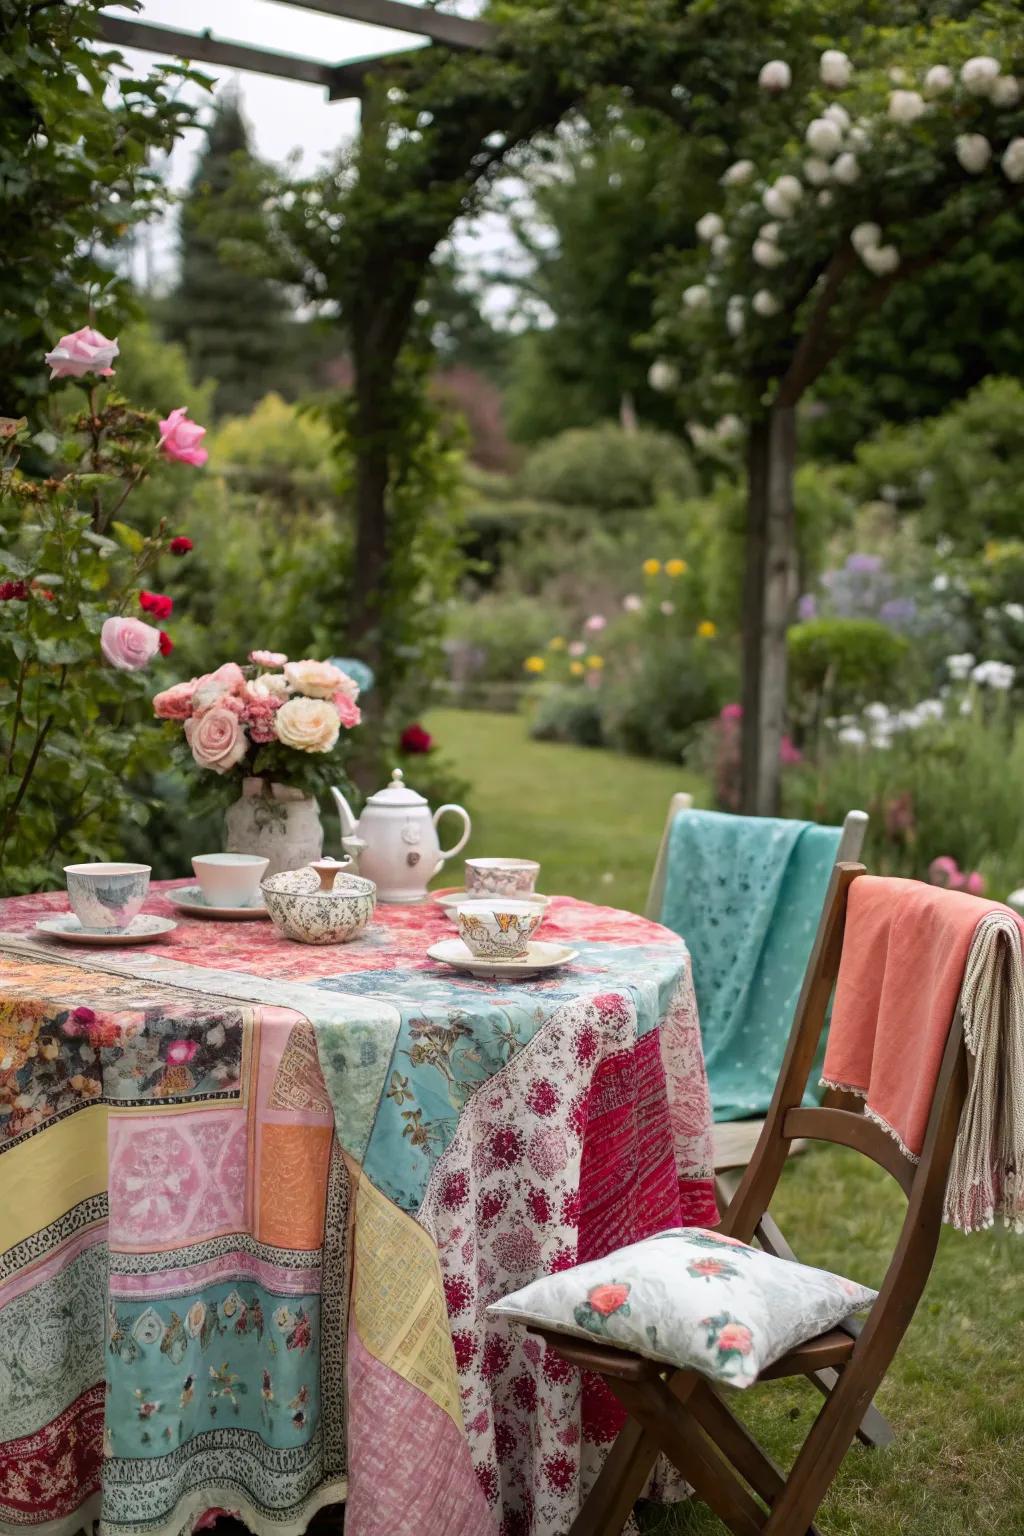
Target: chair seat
(831, 1348)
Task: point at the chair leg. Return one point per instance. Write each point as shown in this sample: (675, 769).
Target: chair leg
(619, 1483)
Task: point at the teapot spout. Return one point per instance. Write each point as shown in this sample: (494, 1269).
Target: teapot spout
(345, 816)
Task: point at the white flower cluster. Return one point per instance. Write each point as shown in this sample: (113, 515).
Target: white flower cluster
(880, 259)
(994, 674)
(880, 723)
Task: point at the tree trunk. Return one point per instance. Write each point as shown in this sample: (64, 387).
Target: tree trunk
(769, 593)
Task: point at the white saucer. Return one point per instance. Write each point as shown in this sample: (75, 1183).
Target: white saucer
(539, 957)
(452, 897)
(140, 930)
(190, 899)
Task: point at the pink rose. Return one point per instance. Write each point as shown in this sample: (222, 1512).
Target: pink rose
(212, 686)
(128, 644)
(268, 658)
(84, 351)
(348, 713)
(735, 1337)
(217, 739)
(179, 438)
(258, 714)
(175, 703)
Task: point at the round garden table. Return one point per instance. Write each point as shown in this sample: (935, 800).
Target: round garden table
(255, 1197)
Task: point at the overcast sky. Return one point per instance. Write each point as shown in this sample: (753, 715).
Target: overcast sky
(284, 115)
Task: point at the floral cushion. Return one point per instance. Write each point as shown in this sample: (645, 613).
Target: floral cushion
(694, 1299)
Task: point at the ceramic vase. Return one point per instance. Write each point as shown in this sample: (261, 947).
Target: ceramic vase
(277, 822)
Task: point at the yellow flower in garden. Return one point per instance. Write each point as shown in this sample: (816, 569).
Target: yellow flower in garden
(577, 668)
(595, 663)
(534, 664)
(652, 567)
(557, 644)
(676, 567)
(707, 630)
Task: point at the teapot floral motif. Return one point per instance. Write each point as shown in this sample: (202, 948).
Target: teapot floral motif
(396, 839)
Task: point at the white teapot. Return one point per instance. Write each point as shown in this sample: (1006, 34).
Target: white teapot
(396, 839)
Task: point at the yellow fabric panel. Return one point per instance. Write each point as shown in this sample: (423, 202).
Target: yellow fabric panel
(51, 1172)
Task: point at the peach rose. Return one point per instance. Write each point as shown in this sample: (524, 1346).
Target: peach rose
(348, 713)
(308, 725)
(268, 658)
(217, 739)
(128, 644)
(212, 686)
(316, 679)
(175, 703)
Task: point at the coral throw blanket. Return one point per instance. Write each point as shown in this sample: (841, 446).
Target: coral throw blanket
(910, 951)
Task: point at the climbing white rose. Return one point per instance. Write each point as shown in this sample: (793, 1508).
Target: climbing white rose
(906, 106)
(858, 137)
(973, 151)
(661, 376)
(864, 237)
(734, 317)
(775, 76)
(1013, 160)
(817, 171)
(769, 232)
(721, 246)
(708, 226)
(1005, 91)
(938, 79)
(838, 115)
(897, 75)
(789, 187)
(823, 137)
(778, 206)
(694, 297)
(767, 254)
(825, 198)
(835, 69)
(880, 259)
(846, 169)
(738, 174)
(765, 303)
(979, 73)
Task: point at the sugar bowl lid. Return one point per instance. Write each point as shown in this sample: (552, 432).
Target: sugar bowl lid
(397, 793)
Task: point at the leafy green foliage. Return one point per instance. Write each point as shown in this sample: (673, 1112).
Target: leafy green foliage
(844, 663)
(608, 469)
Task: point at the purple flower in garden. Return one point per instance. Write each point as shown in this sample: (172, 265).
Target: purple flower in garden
(807, 607)
(898, 612)
(864, 565)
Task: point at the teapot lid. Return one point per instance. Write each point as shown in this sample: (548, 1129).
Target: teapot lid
(397, 793)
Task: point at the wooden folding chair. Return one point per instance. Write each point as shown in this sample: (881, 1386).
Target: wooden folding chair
(679, 1412)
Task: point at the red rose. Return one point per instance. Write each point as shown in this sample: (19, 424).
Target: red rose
(166, 643)
(607, 1299)
(13, 591)
(416, 739)
(157, 604)
(180, 545)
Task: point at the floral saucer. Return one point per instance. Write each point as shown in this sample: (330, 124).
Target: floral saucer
(451, 897)
(141, 930)
(539, 958)
(191, 902)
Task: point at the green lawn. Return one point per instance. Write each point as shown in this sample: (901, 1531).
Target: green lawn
(594, 820)
(955, 1394)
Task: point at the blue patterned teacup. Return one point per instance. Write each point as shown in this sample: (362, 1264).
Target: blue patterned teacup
(105, 897)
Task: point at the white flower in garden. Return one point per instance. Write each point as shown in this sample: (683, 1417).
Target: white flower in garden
(769, 232)
(765, 303)
(994, 674)
(931, 709)
(858, 137)
(979, 73)
(728, 427)
(938, 79)
(973, 151)
(708, 226)
(959, 666)
(825, 199)
(789, 187)
(1013, 160)
(776, 204)
(1014, 611)
(823, 137)
(696, 297)
(667, 608)
(775, 76)
(864, 237)
(835, 69)
(632, 603)
(721, 246)
(735, 319)
(1005, 91)
(838, 115)
(906, 106)
(940, 583)
(846, 169)
(817, 171)
(739, 173)
(767, 254)
(881, 259)
(876, 712)
(662, 376)
(852, 736)
(897, 76)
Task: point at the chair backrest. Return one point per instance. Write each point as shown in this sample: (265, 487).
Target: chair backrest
(924, 1184)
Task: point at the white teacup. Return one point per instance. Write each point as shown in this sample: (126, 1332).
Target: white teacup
(502, 877)
(106, 897)
(496, 929)
(229, 879)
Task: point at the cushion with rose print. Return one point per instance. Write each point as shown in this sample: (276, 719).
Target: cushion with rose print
(694, 1299)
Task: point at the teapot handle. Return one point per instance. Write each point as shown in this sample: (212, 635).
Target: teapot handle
(467, 827)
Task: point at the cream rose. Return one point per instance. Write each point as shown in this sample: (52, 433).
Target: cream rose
(217, 739)
(308, 725)
(316, 679)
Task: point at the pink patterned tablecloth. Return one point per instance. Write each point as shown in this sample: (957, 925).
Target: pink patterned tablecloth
(255, 1198)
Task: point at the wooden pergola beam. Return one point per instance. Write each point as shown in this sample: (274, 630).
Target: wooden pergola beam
(424, 21)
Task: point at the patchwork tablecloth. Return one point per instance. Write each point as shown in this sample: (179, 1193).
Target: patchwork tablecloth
(255, 1197)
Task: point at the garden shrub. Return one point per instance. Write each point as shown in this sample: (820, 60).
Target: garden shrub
(844, 663)
(608, 469)
(652, 703)
(487, 639)
(571, 715)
